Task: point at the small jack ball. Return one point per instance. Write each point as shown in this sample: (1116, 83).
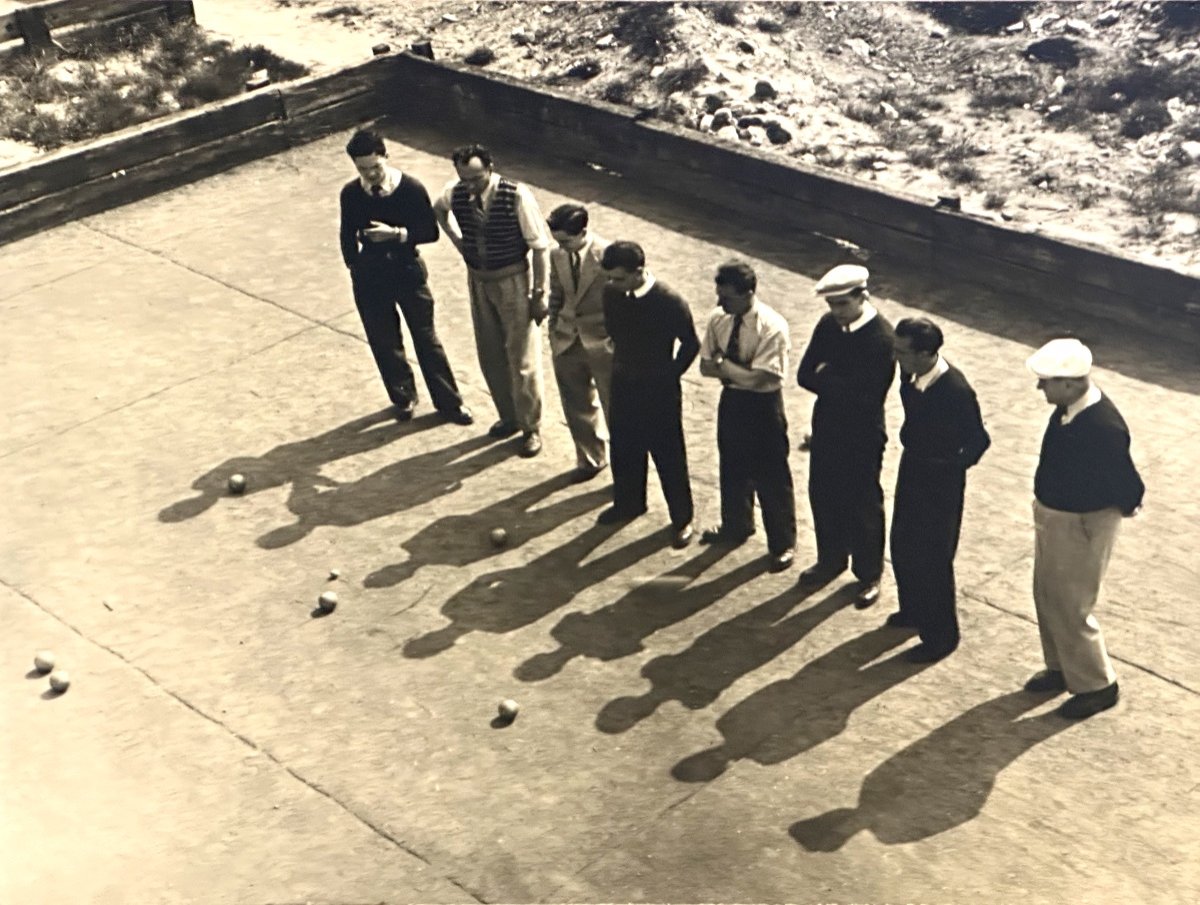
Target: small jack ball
(509, 709)
(499, 537)
(60, 681)
(43, 661)
(328, 602)
(237, 483)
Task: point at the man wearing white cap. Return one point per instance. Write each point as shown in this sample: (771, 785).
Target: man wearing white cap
(1085, 482)
(849, 365)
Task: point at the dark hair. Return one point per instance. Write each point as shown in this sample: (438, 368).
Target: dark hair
(739, 275)
(464, 153)
(568, 218)
(365, 142)
(625, 255)
(922, 333)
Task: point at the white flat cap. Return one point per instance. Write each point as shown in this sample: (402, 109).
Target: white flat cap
(1061, 358)
(842, 279)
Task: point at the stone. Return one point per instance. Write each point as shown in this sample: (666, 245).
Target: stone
(1191, 150)
(746, 122)
(1185, 225)
(716, 100)
(746, 46)
(777, 133)
(722, 118)
(765, 90)
(859, 47)
(1058, 51)
(727, 132)
(1077, 27)
(521, 37)
(704, 124)
(606, 41)
(1107, 18)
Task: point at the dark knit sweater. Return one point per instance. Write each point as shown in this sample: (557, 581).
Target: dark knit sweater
(851, 388)
(407, 206)
(644, 331)
(1085, 465)
(943, 424)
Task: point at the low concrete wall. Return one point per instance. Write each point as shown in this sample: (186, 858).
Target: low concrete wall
(772, 189)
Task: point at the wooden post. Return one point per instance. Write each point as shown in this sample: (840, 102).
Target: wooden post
(34, 31)
(181, 11)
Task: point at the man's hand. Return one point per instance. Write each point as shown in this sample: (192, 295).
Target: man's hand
(538, 309)
(383, 232)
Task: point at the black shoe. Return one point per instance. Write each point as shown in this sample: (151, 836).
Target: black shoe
(681, 536)
(781, 562)
(1047, 680)
(868, 593)
(502, 429)
(1089, 703)
(404, 411)
(531, 444)
(720, 535)
(923, 653)
(584, 473)
(461, 415)
(817, 575)
(899, 620)
(614, 516)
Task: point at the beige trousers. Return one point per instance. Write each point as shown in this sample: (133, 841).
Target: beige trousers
(584, 375)
(1070, 557)
(508, 343)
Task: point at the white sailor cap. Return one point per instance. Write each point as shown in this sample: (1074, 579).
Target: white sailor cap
(1061, 358)
(842, 279)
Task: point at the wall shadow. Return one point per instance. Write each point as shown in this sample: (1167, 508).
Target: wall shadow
(618, 630)
(295, 463)
(794, 715)
(940, 781)
(698, 675)
(403, 484)
(509, 599)
(460, 540)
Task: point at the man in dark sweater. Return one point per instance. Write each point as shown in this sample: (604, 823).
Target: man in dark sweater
(385, 215)
(645, 320)
(943, 435)
(1085, 483)
(849, 366)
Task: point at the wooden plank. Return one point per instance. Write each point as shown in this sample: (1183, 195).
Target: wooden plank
(135, 145)
(313, 92)
(71, 12)
(152, 176)
(351, 112)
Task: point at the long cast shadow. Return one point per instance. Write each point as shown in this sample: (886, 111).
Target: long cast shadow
(459, 540)
(794, 715)
(618, 630)
(401, 485)
(697, 676)
(510, 599)
(940, 781)
(296, 463)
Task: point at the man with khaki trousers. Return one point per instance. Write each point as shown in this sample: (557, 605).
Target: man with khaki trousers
(579, 344)
(1085, 484)
(499, 231)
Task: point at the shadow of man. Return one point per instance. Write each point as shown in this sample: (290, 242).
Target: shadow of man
(794, 715)
(459, 540)
(696, 676)
(510, 599)
(294, 463)
(618, 630)
(404, 484)
(938, 782)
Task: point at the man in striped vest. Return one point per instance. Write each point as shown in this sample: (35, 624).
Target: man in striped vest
(495, 223)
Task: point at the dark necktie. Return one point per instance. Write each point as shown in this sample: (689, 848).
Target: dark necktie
(478, 201)
(575, 268)
(731, 347)
(377, 190)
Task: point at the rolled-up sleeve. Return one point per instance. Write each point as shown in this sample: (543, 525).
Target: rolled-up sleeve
(533, 227)
(708, 344)
(772, 353)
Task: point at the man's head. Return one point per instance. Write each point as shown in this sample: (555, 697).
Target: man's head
(918, 340)
(1063, 368)
(473, 163)
(369, 153)
(736, 282)
(624, 265)
(845, 292)
(568, 225)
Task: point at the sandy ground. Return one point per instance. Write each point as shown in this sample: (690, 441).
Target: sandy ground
(692, 728)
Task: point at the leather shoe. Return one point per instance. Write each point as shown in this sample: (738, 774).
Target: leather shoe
(502, 429)
(614, 516)
(1089, 703)
(404, 411)
(531, 444)
(868, 593)
(681, 536)
(719, 534)
(817, 575)
(899, 620)
(585, 473)
(923, 653)
(781, 562)
(1047, 680)
(461, 415)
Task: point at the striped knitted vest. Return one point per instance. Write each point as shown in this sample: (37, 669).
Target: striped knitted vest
(494, 241)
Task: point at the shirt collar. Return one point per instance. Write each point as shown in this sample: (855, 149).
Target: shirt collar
(925, 381)
(647, 285)
(868, 312)
(1091, 397)
(391, 179)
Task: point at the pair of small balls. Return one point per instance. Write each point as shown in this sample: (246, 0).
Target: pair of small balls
(43, 662)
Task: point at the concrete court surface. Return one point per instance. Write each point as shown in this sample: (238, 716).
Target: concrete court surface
(692, 728)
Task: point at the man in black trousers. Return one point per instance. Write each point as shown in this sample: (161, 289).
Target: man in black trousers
(849, 365)
(943, 435)
(745, 347)
(646, 320)
(385, 215)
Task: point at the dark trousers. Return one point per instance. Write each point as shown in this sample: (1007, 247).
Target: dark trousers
(753, 443)
(926, 518)
(647, 420)
(381, 285)
(847, 504)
